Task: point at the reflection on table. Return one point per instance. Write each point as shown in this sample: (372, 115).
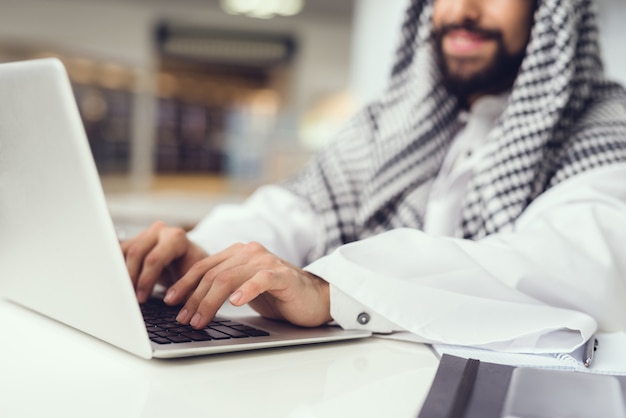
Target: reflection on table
(52, 370)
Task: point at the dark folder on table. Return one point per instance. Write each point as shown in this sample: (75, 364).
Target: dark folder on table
(470, 388)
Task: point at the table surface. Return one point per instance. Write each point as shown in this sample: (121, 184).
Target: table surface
(49, 369)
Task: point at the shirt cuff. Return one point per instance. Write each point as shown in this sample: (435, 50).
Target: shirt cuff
(348, 313)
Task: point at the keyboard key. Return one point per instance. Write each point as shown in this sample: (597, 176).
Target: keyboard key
(216, 335)
(166, 334)
(162, 327)
(179, 329)
(229, 323)
(197, 336)
(257, 333)
(240, 327)
(169, 325)
(229, 331)
(179, 339)
(253, 332)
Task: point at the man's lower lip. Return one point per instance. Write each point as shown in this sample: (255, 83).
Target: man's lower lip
(463, 43)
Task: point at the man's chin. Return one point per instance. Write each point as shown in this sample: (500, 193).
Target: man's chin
(468, 79)
(467, 84)
(466, 69)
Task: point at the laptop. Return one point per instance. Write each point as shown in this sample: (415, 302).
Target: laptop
(59, 252)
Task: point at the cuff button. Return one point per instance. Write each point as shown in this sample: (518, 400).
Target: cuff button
(363, 318)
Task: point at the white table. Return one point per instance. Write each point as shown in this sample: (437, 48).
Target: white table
(50, 370)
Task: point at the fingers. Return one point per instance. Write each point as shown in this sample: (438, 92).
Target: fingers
(263, 281)
(149, 253)
(186, 285)
(135, 250)
(208, 297)
(249, 273)
(171, 245)
(287, 293)
(211, 281)
(205, 287)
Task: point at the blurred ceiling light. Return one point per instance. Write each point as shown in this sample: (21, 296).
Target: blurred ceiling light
(113, 76)
(263, 9)
(81, 70)
(167, 85)
(93, 106)
(264, 102)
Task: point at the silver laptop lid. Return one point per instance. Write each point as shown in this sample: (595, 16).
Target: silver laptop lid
(59, 254)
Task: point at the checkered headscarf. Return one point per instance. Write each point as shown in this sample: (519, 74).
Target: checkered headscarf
(562, 118)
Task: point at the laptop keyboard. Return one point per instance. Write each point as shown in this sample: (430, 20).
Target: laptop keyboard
(162, 327)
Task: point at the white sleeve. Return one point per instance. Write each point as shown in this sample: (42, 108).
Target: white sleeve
(543, 287)
(272, 216)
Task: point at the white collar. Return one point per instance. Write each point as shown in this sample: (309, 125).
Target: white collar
(488, 107)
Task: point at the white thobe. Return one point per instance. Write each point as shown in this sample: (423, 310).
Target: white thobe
(543, 287)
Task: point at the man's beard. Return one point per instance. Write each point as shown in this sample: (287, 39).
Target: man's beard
(498, 76)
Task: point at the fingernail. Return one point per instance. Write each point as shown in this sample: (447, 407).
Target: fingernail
(195, 320)
(141, 295)
(182, 315)
(169, 295)
(235, 297)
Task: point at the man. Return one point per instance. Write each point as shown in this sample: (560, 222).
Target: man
(480, 201)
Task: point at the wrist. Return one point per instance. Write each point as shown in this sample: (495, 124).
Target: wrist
(324, 292)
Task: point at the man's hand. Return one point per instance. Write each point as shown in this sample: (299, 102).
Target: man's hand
(248, 273)
(153, 250)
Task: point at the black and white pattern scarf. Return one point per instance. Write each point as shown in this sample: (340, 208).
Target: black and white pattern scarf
(562, 118)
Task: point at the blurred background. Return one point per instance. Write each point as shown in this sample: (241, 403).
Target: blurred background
(187, 103)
